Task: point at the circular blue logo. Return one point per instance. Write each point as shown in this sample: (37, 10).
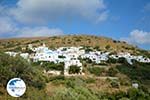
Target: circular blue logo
(16, 87)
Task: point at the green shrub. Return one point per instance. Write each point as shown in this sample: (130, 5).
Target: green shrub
(124, 98)
(53, 66)
(70, 83)
(136, 72)
(90, 80)
(96, 70)
(121, 95)
(34, 94)
(114, 84)
(27, 50)
(112, 71)
(123, 61)
(97, 48)
(78, 40)
(88, 50)
(125, 82)
(88, 60)
(112, 60)
(11, 67)
(74, 69)
(76, 93)
(60, 77)
(107, 47)
(138, 94)
(57, 80)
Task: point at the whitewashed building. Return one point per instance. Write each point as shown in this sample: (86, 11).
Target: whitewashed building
(12, 53)
(70, 56)
(130, 57)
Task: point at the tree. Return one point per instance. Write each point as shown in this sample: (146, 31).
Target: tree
(74, 69)
(11, 67)
(107, 47)
(96, 70)
(52, 66)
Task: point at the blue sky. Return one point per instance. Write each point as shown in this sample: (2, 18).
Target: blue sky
(127, 20)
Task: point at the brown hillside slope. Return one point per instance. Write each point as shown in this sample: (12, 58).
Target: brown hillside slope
(102, 43)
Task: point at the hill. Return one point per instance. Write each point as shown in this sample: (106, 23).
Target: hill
(111, 80)
(93, 86)
(101, 43)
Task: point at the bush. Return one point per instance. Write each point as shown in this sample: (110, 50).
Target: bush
(114, 41)
(88, 50)
(123, 61)
(78, 40)
(107, 47)
(125, 81)
(11, 67)
(121, 96)
(112, 60)
(96, 70)
(34, 94)
(144, 53)
(88, 60)
(112, 71)
(133, 93)
(90, 80)
(124, 98)
(97, 48)
(139, 72)
(57, 80)
(53, 66)
(70, 84)
(38, 84)
(60, 77)
(76, 93)
(74, 69)
(27, 50)
(115, 84)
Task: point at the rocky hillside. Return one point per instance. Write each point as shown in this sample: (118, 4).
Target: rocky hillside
(100, 43)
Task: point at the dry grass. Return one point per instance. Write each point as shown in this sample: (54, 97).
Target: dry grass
(51, 88)
(72, 40)
(103, 85)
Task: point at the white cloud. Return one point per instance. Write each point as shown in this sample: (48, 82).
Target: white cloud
(138, 37)
(13, 20)
(7, 25)
(147, 7)
(33, 11)
(8, 28)
(103, 16)
(38, 31)
(11, 28)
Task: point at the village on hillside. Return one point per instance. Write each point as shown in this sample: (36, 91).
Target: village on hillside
(71, 56)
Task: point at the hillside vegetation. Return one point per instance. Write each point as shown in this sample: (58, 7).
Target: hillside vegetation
(100, 43)
(92, 86)
(109, 81)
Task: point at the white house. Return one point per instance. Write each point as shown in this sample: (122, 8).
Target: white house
(135, 85)
(25, 55)
(96, 57)
(129, 57)
(70, 56)
(71, 62)
(11, 53)
(52, 72)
